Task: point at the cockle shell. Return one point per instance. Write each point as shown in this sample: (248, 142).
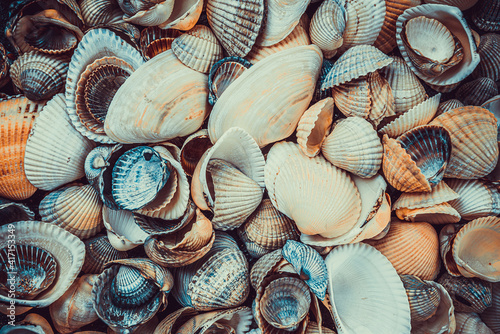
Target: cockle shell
(360, 154)
(486, 14)
(412, 248)
(490, 315)
(468, 294)
(264, 116)
(353, 98)
(155, 41)
(184, 15)
(470, 323)
(222, 74)
(99, 251)
(448, 105)
(311, 199)
(192, 150)
(146, 13)
(473, 132)
(327, 27)
(96, 12)
(265, 266)
(77, 209)
(440, 194)
(361, 279)
(40, 76)
(488, 50)
(477, 198)
(160, 108)
(158, 226)
(122, 229)
(424, 298)
(31, 324)
(13, 212)
(55, 151)
(477, 91)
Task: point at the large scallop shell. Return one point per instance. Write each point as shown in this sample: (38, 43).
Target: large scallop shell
(269, 112)
(98, 252)
(477, 198)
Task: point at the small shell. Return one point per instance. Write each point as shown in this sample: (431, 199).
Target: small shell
(158, 226)
(146, 13)
(470, 323)
(382, 99)
(314, 126)
(423, 297)
(468, 294)
(477, 199)
(353, 98)
(13, 212)
(99, 251)
(123, 231)
(222, 74)
(192, 150)
(486, 15)
(488, 50)
(476, 92)
(448, 105)
(327, 27)
(96, 12)
(155, 41)
(442, 213)
(184, 15)
(439, 194)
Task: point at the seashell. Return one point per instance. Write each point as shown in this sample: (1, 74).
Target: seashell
(192, 150)
(442, 213)
(180, 315)
(100, 12)
(137, 112)
(146, 13)
(360, 155)
(266, 230)
(217, 280)
(309, 264)
(66, 249)
(314, 126)
(155, 41)
(96, 44)
(40, 76)
(158, 226)
(353, 98)
(452, 18)
(222, 74)
(355, 63)
(184, 247)
(465, 126)
(313, 328)
(448, 105)
(285, 303)
(478, 261)
(476, 92)
(441, 193)
(469, 323)
(13, 212)
(327, 27)
(297, 37)
(281, 18)
(17, 115)
(406, 88)
(264, 267)
(461, 4)
(382, 99)
(485, 15)
(361, 280)
(423, 297)
(408, 163)
(236, 25)
(320, 94)
(468, 294)
(477, 198)
(96, 88)
(35, 270)
(31, 324)
(77, 209)
(421, 114)
(198, 49)
(4, 67)
(490, 315)
(184, 15)
(446, 238)
(74, 309)
(123, 230)
(99, 251)
(96, 161)
(130, 292)
(412, 248)
(488, 50)
(258, 112)
(297, 194)
(55, 152)
(493, 106)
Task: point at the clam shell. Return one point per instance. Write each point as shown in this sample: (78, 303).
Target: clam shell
(99, 251)
(152, 13)
(198, 49)
(468, 294)
(486, 14)
(96, 12)
(442, 213)
(448, 105)
(264, 116)
(382, 99)
(469, 323)
(440, 194)
(32, 323)
(13, 212)
(347, 149)
(138, 111)
(480, 261)
(96, 162)
(17, 116)
(236, 24)
(488, 49)
(77, 209)
(473, 134)
(192, 150)
(264, 267)
(361, 279)
(314, 126)
(55, 151)
(296, 192)
(424, 298)
(446, 238)
(223, 73)
(327, 27)
(155, 41)
(40, 76)
(158, 226)
(184, 15)
(476, 199)
(96, 43)
(490, 315)
(353, 98)
(412, 248)
(477, 92)
(123, 231)
(67, 250)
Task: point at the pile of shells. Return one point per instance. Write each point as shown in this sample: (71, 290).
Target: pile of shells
(263, 167)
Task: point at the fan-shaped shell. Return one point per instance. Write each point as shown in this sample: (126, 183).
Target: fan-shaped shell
(448, 105)
(147, 13)
(468, 294)
(327, 27)
(477, 92)
(439, 194)
(99, 251)
(314, 126)
(155, 40)
(192, 150)
(122, 229)
(96, 12)
(486, 14)
(424, 298)
(488, 49)
(469, 323)
(490, 315)
(442, 213)
(353, 98)
(476, 199)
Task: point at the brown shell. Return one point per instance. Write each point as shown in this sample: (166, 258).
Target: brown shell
(478, 198)
(470, 323)
(486, 15)
(448, 105)
(468, 294)
(446, 238)
(489, 51)
(477, 91)
(442, 213)
(423, 297)
(155, 40)
(192, 150)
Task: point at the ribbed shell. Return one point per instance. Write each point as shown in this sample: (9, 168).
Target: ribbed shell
(122, 229)
(40, 76)
(470, 323)
(442, 213)
(424, 298)
(77, 209)
(55, 151)
(490, 316)
(446, 237)
(448, 105)
(473, 132)
(198, 49)
(13, 212)
(184, 15)
(192, 150)
(439, 194)
(150, 13)
(476, 92)
(96, 12)
(468, 294)
(264, 267)
(99, 251)
(382, 99)
(412, 248)
(236, 24)
(461, 4)
(353, 145)
(477, 198)
(155, 41)
(223, 74)
(314, 126)
(489, 51)
(353, 98)
(17, 116)
(486, 15)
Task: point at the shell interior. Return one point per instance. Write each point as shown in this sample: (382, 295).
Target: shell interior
(130, 289)
(223, 73)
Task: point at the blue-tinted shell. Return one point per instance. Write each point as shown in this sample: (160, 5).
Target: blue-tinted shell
(318, 93)
(96, 160)
(223, 73)
(137, 176)
(309, 264)
(130, 289)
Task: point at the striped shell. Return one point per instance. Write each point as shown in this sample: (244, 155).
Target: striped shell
(99, 251)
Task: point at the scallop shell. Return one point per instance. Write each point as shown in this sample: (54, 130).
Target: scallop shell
(477, 198)
(314, 126)
(486, 14)
(490, 315)
(382, 99)
(442, 213)
(138, 111)
(123, 231)
(100, 12)
(440, 194)
(473, 132)
(77, 209)
(155, 41)
(40, 76)
(311, 198)
(264, 267)
(480, 261)
(423, 297)
(361, 279)
(412, 248)
(236, 24)
(448, 105)
(488, 49)
(468, 294)
(99, 251)
(327, 27)
(477, 92)
(13, 212)
(17, 115)
(198, 49)
(192, 150)
(146, 13)
(347, 149)
(67, 250)
(264, 116)
(184, 15)
(470, 323)
(55, 151)
(224, 73)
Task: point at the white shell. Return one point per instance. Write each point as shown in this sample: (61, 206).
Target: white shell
(123, 231)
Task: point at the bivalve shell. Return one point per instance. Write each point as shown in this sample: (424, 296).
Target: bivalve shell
(477, 198)
(13, 212)
(490, 315)
(448, 105)
(155, 41)
(424, 298)
(223, 73)
(122, 229)
(468, 294)
(442, 213)
(184, 15)
(477, 91)
(439, 194)
(486, 14)
(98, 252)
(489, 49)
(470, 323)
(314, 126)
